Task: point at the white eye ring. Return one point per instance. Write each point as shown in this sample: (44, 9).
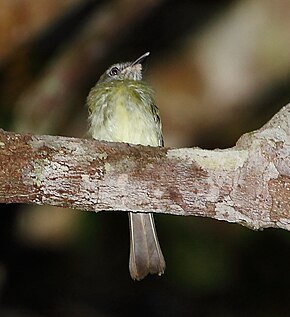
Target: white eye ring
(114, 71)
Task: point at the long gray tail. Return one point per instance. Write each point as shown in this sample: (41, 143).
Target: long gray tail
(145, 252)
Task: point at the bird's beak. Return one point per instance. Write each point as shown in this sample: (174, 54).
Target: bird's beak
(140, 59)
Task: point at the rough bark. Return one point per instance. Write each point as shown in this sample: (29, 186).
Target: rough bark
(248, 184)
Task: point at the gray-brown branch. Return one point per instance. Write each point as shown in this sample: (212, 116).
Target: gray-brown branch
(248, 184)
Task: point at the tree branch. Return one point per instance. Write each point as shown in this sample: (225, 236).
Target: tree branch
(248, 184)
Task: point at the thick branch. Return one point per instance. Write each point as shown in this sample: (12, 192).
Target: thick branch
(248, 184)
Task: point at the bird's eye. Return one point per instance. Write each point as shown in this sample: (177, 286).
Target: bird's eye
(114, 71)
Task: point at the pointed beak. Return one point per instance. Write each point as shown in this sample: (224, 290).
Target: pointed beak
(140, 59)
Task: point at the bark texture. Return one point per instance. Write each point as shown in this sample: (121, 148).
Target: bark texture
(248, 184)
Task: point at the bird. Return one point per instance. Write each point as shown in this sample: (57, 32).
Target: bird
(122, 109)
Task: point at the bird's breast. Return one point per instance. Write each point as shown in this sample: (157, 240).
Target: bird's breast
(125, 115)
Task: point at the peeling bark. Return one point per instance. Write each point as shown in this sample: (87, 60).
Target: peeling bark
(248, 184)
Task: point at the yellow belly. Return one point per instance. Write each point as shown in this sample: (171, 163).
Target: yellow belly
(125, 117)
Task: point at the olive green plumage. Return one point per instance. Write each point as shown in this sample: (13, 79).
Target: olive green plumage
(122, 109)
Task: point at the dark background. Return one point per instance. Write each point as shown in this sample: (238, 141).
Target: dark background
(219, 69)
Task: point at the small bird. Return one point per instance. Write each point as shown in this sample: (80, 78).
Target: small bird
(122, 109)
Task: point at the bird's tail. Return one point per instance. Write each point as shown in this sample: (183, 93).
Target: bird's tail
(145, 252)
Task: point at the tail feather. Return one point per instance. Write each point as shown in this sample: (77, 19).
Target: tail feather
(145, 252)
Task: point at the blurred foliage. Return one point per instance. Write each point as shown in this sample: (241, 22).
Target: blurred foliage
(219, 69)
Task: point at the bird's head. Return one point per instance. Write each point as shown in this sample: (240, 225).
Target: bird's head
(127, 70)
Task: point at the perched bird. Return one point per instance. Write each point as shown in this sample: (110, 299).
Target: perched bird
(122, 109)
